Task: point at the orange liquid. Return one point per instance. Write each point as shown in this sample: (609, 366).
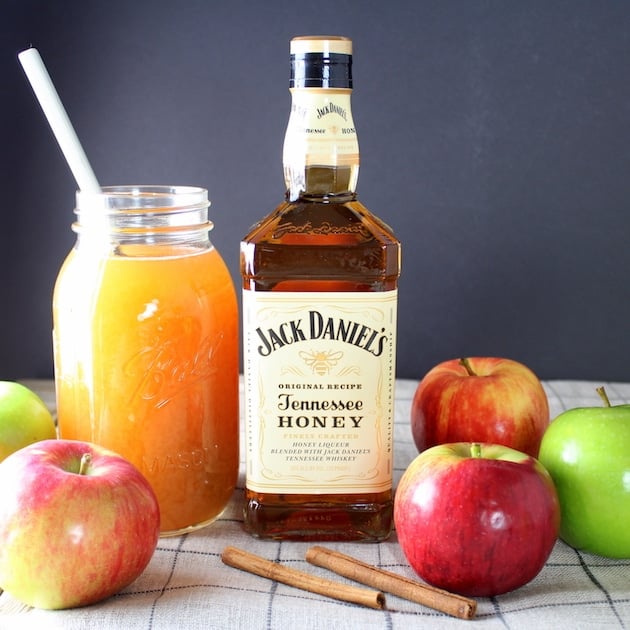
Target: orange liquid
(146, 364)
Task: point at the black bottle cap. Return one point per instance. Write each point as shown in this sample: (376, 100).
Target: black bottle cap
(321, 62)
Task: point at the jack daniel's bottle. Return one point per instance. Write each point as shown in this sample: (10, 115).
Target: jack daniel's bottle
(320, 276)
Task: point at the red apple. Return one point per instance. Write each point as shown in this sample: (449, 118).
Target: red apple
(77, 524)
(476, 519)
(480, 399)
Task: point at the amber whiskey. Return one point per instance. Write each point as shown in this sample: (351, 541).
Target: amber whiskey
(320, 276)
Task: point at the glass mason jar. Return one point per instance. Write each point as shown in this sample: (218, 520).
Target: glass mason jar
(146, 345)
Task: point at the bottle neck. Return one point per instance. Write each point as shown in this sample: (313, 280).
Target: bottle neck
(321, 149)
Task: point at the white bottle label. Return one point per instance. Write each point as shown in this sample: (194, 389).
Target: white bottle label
(320, 129)
(319, 382)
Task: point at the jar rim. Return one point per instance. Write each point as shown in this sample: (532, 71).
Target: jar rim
(125, 197)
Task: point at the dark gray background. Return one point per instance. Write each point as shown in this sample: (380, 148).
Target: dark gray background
(494, 139)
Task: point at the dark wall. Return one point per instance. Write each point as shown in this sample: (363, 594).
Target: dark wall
(494, 139)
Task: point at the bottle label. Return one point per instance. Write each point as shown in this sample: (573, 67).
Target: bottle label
(320, 129)
(319, 383)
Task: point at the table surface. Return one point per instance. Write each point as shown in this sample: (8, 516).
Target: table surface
(187, 586)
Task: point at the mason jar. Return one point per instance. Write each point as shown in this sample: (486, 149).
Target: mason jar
(146, 345)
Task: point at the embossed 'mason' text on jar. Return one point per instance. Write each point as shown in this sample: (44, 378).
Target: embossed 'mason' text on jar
(146, 345)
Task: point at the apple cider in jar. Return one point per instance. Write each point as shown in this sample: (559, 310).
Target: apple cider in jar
(146, 346)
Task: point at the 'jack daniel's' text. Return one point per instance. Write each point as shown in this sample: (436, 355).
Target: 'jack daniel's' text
(319, 327)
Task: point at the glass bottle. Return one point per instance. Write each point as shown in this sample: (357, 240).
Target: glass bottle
(146, 345)
(320, 276)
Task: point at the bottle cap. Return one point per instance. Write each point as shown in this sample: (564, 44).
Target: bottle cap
(321, 62)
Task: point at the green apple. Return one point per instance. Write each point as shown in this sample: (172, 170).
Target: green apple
(24, 418)
(587, 453)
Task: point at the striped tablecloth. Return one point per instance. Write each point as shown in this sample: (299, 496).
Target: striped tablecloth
(187, 586)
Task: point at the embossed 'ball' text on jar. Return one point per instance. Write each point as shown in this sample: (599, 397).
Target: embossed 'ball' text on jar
(146, 345)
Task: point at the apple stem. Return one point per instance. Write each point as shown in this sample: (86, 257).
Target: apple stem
(466, 363)
(86, 460)
(603, 395)
(475, 450)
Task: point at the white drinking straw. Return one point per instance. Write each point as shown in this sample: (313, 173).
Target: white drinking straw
(58, 120)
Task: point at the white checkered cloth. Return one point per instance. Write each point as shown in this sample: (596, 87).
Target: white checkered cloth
(187, 586)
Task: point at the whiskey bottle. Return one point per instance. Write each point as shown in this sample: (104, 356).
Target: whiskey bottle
(320, 277)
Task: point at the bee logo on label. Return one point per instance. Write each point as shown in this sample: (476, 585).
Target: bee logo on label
(321, 361)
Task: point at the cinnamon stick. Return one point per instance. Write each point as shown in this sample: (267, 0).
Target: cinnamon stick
(251, 563)
(436, 598)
